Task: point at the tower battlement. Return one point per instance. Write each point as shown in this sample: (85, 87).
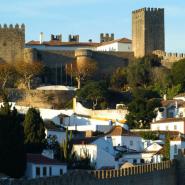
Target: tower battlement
(153, 10)
(12, 41)
(13, 27)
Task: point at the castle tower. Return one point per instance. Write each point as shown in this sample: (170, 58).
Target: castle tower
(12, 41)
(147, 31)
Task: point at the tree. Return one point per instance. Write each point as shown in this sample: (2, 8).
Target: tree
(142, 108)
(7, 72)
(177, 73)
(54, 145)
(119, 78)
(93, 93)
(12, 153)
(34, 130)
(139, 73)
(28, 71)
(167, 147)
(82, 70)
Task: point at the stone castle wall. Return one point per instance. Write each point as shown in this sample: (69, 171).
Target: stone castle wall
(168, 59)
(148, 31)
(12, 40)
(153, 174)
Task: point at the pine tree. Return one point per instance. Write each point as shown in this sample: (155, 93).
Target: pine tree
(34, 131)
(12, 153)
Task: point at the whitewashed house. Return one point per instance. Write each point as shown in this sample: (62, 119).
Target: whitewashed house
(124, 138)
(123, 44)
(99, 149)
(152, 154)
(169, 124)
(55, 130)
(42, 166)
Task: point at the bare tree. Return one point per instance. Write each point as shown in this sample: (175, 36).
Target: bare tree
(82, 70)
(28, 70)
(7, 72)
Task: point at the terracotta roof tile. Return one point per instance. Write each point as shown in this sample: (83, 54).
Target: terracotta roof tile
(122, 40)
(168, 120)
(120, 131)
(40, 159)
(59, 43)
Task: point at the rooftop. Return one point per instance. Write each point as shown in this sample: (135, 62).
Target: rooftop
(57, 43)
(40, 159)
(168, 120)
(120, 131)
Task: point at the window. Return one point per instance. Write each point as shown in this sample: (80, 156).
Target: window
(175, 149)
(50, 171)
(44, 171)
(61, 171)
(175, 127)
(38, 171)
(131, 143)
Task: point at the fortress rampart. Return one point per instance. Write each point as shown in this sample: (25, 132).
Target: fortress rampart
(151, 174)
(167, 59)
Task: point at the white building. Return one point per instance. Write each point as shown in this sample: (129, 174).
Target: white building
(55, 130)
(122, 45)
(41, 166)
(99, 149)
(169, 124)
(56, 45)
(126, 139)
(151, 154)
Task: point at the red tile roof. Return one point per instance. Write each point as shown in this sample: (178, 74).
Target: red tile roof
(120, 131)
(59, 43)
(40, 159)
(168, 120)
(122, 40)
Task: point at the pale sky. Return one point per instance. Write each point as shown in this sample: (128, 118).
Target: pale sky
(89, 18)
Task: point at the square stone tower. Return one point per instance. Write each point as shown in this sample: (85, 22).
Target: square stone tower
(148, 32)
(12, 41)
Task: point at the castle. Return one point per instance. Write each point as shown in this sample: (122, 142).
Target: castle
(12, 41)
(147, 31)
(148, 36)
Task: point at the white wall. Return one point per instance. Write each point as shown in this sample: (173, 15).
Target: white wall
(131, 142)
(50, 114)
(169, 126)
(60, 136)
(116, 46)
(101, 152)
(127, 47)
(108, 47)
(31, 170)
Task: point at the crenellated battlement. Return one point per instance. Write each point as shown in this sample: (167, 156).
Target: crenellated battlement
(13, 27)
(148, 10)
(136, 170)
(166, 55)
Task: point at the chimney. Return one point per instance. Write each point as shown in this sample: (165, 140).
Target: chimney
(41, 37)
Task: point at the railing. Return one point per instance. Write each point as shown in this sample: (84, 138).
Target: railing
(136, 170)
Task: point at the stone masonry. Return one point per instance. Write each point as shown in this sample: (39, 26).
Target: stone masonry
(12, 41)
(147, 31)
